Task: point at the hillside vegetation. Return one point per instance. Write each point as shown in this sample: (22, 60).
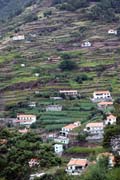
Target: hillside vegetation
(11, 8)
(53, 56)
(53, 31)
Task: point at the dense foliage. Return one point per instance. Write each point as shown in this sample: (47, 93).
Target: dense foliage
(103, 10)
(98, 171)
(112, 131)
(68, 65)
(17, 152)
(11, 8)
(71, 5)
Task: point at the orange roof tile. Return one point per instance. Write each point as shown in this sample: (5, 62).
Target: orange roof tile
(25, 115)
(77, 162)
(95, 124)
(70, 126)
(105, 103)
(23, 131)
(111, 116)
(101, 92)
(62, 91)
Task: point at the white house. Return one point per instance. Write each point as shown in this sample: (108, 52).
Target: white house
(24, 119)
(54, 58)
(58, 148)
(111, 158)
(76, 166)
(86, 44)
(61, 139)
(32, 104)
(37, 175)
(18, 38)
(95, 128)
(104, 104)
(37, 92)
(37, 74)
(54, 108)
(66, 129)
(69, 92)
(111, 119)
(22, 65)
(23, 131)
(33, 162)
(101, 95)
(56, 98)
(112, 31)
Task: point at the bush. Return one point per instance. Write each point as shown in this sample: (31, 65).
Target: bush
(71, 5)
(47, 13)
(30, 18)
(68, 65)
(81, 78)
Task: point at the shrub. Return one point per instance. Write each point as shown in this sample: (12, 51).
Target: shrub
(47, 13)
(68, 65)
(30, 18)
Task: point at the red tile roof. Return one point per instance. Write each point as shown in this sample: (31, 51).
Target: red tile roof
(105, 103)
(111, 116)
(101, 92)
(95, 124)
(26, 115)
(78, 162)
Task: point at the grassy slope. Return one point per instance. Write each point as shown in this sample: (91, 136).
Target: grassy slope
(59, 31)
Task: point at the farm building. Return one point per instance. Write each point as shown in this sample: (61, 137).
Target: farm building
(65, 130)
(18, 37)
(69, 92)
(111, 119)
(61, 139)
(104, 105)
(33, 162)
(112, 31)
(54, 108)
(76, 166)
(101, 96)
(58, 148)
(95, 128)
(24, 119)
(86, 44)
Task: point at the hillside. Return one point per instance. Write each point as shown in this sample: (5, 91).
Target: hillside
(53, 31)
(11, 8)
(59, 89)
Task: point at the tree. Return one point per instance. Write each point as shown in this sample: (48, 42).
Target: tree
(118, 32)
(47, 13)
(114, 174)
(98, 171)
(71, 5)
(117, 109)
(109, 133)
(81, 78)
(68, 65)
(30, 18)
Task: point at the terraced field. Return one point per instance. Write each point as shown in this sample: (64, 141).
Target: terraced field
(58, 34)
